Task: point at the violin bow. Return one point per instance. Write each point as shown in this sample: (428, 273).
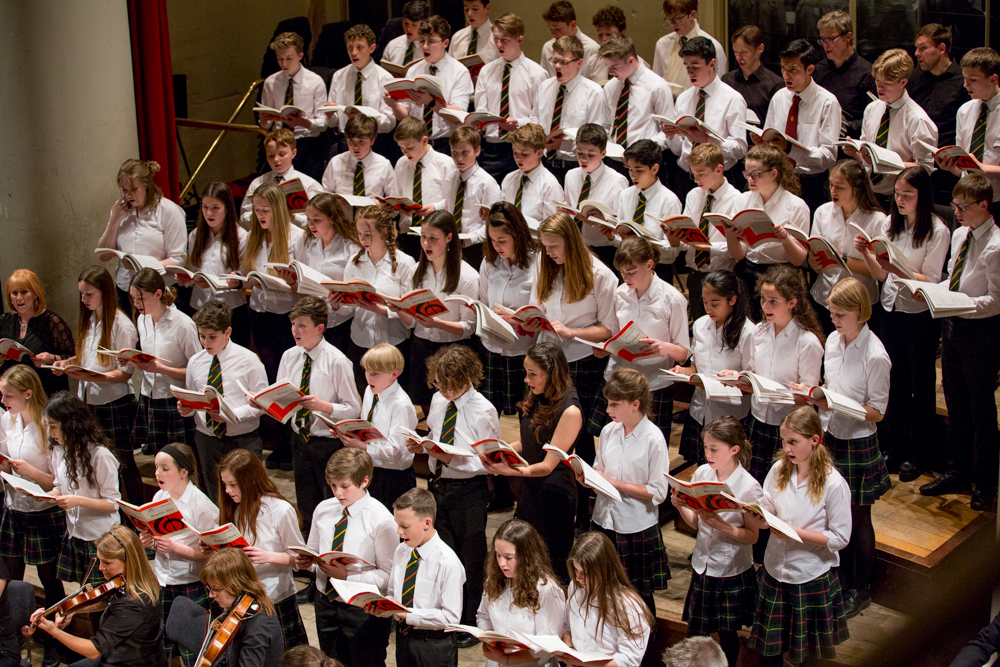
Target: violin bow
(86, 577)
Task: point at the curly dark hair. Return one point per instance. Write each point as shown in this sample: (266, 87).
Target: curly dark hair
(552, 360)
(80, 429)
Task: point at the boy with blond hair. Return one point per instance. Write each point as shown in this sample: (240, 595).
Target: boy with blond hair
(280, 150)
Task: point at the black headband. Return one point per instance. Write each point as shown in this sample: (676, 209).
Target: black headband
(177, 456)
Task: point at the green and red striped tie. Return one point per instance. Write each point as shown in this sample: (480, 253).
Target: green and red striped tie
(557, 113)
(215, 380)
(339, 530)
(621, 114)
(410, 578)
(505, 97)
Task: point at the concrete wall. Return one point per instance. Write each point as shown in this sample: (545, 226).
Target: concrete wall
(69, 105)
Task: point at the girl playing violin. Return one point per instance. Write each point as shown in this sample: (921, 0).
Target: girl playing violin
(130, 629)
(257, 640)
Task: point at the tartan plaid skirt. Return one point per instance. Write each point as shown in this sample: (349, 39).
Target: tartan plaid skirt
(503, 380)
(197, 593)
(720, 603)
(860, 462)
(662, 409)
(34, 537)
(587, 375)
(157, 423)
(75, 558)
(765, 440)
(803, 619)
(117, 418)
(692, 448)
(643, 556)
(292, 628)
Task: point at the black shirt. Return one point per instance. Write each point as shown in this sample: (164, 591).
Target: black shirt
(940, 96)
(46, 332)
(9, 645)
(850, 84)
(258, 643)
(757, 89)
(562, 477)
(130, 633)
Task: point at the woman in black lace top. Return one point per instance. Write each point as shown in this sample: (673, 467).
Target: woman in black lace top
(43, 332)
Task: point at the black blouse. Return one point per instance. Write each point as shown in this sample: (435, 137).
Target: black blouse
(531, 447)
(258, 643)
(130, 633)
(46, 332)
(10, 646)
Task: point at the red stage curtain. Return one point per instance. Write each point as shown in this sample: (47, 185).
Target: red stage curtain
(154, 90)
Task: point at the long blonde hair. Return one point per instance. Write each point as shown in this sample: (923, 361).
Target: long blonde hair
(23, 378)
(98, 277)
(805, 421)
(577, 267)
(231, 570)
(281, 223)
(122, 544)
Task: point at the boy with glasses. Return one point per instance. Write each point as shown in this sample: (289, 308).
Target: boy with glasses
(560, 18)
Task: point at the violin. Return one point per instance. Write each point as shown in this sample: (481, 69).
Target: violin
(224, 630)
(86, 596)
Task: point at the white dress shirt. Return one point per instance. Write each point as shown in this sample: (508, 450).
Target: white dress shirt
(598, 307)
(311, 185)
(172, 569)
(660, 202)
(647, 95)
(965, 125)
(605, 186)
(331, 379)
(724, 108)
(437, 591)
(829, 223)
(715, 554)
(510, 286)
(526, 76)
(395, 50)
(477, 418)
(436, 172)
(371, 534)
(859, 371)
(373, 80)
(784, 209)
(909, 124)
(540, 190)
(588, 68)
(927, 259)
(275, 302)
(456, 84)
(277, 529)
(981, 275)
(794, 355)
(661, 313)
(468, 285)
(123, 334)
(591, 636)
(458, 47)
(480, 189)
(380, 179)
(82, 523)
(818, 126)
(583, 102)
(637, 458)
(789, 561)
(308, 94)
(18, 442)
(711, 356)
(237, 364)
(213, 263)
(158, 232)
(331, 261)
(174, 340)
(667, 61)
(368, 329)
(502, 615)
(394, 410)
(724, 201)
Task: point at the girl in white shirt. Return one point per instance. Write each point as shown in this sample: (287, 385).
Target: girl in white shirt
(856, 366)
(249, 500)
(907, 330)
(604, 613)
(179, 561)
(143, 222)
(800, 607)
(216, 246)
(441, 270)
(852, 201)
(520, 592)
(632, 456)
(722, 596)
(721, 339)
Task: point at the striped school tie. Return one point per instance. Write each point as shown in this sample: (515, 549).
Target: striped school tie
(359, 180)
(640, 209)
(585, 191)
(473, 44)
(409, 53)
(418, 195)
(371, 411)
(357, 88)
(410, 578)
(956, 274)
(290, 93)
(428, 108)
(882, 138)
(978, 145)
(701, 257)
(557, 114)
(520, 192)
(302, 417)
(699, 111)
(339, 530)
(621, 114)
(505, 97)
(447, 437)
(215, 380)
(459, 203)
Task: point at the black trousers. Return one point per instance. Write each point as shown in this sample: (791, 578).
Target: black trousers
(124, 301)
(388, 484)
(241, 326)
(970, 360)
(309, 471)
(748, 272)
(497, 159)
(272, 335)
(694, 281)
(442, 145)
(473, 255)
(348, 634)
(815, 190)
(425, 648)
(311, 155)
(211, 450)
(560, 168)
(461, 523)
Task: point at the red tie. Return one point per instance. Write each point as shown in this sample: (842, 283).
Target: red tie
(792, 124)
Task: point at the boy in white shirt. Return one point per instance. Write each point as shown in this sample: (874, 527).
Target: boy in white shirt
(532, 189)
(477, 37)
(226, 366)
(280, 151)
(682, 15)
(406, 48)
(362, 83)
(560, 18)
(471, 188)
(360, 170)
(301, 88)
